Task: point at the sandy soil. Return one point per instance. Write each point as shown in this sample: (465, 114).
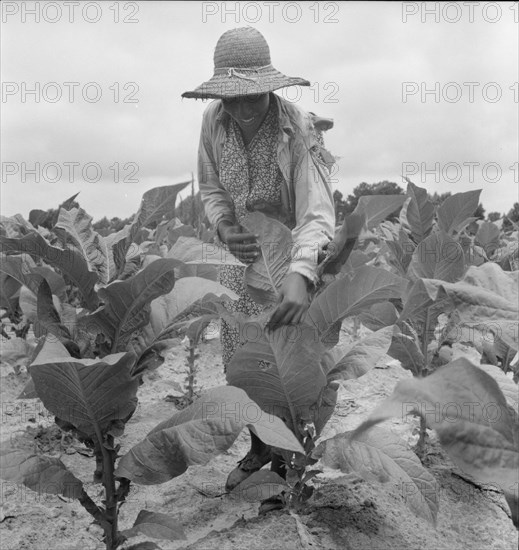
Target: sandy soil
(345, 512)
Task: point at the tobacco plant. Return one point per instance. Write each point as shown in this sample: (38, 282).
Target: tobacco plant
(89, 360)
(297, 377)
(451, 281)
(104, 310)
(96, 398)
(294, 372)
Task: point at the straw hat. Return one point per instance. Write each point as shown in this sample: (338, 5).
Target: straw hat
(242, 66)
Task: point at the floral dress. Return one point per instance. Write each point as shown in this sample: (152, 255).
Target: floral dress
(252, 177)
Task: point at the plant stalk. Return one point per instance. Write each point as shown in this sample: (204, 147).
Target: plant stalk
(191, 371)
(112, 538)
(93, 509)
(420, 446)
(109, 456)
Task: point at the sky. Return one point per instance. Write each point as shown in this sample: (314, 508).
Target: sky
(91, 94)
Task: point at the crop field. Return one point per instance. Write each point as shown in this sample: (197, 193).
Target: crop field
(394, 403)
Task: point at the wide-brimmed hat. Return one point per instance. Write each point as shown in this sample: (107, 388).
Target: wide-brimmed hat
(242, 67)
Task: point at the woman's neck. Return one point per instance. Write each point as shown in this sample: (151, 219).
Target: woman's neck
(248, 132)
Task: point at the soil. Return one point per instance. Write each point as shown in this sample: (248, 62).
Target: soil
(344, 513)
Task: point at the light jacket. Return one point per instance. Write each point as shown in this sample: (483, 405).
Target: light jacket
(306, 190)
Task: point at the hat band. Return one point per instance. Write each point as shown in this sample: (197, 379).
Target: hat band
(238, 72)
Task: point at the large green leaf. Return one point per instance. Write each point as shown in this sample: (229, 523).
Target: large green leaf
(362, 356)
(15, 226)
(69, 262)
(423, 304)
(9, 292)
(326, 406)
(281, 371)
(49, 349)
(77, 227)
(265, 275)
(127, 303)
(157, 526)
(438, 256)
(20, 268)
(117, 246)
(380, 456)
(157, 204)
(92, 394)
(197, 433)
(192, 321)
(455, 211)
(49, 319)
(376, 208)
(506, 385)
(490, 311)
(179, 230)
(50, 217)
(405, 347)
(352, 295)
(471, 416)
(194, 251)
(42, 474)
(488, 237)
(178, 316)
(401, 251)
(341, 246)
(508, 256)
(419, 213)
(188, 290)
(491, 276)
(379, 315)
(16, 352)
(200, 259)
(56, 282)
(260, 486)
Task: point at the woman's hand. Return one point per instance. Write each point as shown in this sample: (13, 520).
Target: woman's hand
(293, 302)
(243, 245)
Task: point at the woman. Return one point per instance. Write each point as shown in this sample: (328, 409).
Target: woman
(259, 152)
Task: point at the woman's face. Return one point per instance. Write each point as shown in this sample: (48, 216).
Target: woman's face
(247, 111)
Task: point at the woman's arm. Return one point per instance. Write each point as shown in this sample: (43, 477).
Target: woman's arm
(314, 210)
(315, 222)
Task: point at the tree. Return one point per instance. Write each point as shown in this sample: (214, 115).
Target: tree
(105, 226)
(339, 203)
(347, 206)
(190, 211)
(437, 199)
(513, 213)
(493, 216)
(480, 212)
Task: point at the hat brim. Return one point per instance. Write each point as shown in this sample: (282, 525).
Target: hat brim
(222, 86)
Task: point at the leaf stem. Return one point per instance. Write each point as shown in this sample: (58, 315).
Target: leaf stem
(109, 456)
(425, 331)
(110, 513)
(91, 507)
(420, 446)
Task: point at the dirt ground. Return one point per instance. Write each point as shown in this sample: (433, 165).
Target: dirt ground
(344, 513)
